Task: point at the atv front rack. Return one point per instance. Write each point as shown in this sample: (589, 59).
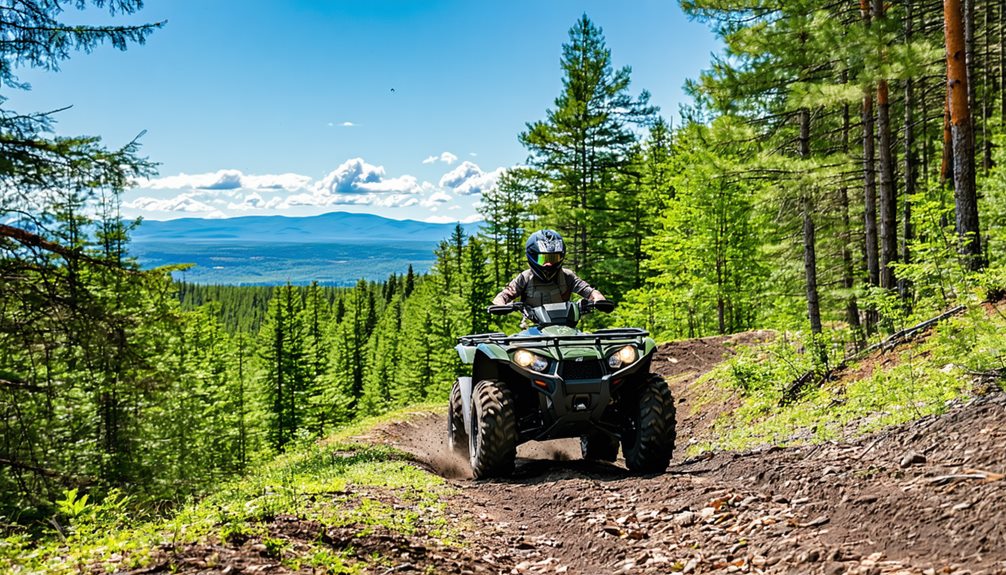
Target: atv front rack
(599, 337)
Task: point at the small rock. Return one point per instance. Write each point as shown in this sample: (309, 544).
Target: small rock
(811, 556)
(913, 458)
(815, 522)
(685, 518)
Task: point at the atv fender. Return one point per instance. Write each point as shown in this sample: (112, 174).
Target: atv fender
(493, 351)
(485, 357)
(648, 346)
(466, 352)
(466, 400)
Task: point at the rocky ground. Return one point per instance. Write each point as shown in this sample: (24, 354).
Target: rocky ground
(921, 498)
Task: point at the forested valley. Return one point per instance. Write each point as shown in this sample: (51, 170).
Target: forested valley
(840, 175)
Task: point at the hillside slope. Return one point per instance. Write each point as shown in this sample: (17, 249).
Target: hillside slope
(916, 498)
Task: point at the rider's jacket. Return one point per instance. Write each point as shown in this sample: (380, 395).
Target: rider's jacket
(535, 292)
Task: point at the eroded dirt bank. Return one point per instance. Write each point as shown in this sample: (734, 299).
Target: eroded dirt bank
(925, 497)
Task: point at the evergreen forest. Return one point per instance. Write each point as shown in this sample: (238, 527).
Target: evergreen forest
(840, 174)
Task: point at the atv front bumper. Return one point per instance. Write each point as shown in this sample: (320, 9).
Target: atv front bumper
(565, 407)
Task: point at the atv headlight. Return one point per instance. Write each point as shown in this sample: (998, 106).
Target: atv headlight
(528, 360)
(622, 357)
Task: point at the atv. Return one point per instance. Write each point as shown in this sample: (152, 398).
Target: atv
(553, 381)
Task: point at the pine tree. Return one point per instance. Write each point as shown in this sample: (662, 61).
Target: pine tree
(584, 148)
(505, 209)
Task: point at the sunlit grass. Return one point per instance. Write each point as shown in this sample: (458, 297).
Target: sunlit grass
(335, 482)
(915, 380)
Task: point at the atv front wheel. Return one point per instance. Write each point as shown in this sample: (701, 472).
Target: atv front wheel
(457, 437)
(492, 438)
(648, 439)
(598, 446)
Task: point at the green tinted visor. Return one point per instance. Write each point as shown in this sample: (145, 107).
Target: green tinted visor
(546, 259)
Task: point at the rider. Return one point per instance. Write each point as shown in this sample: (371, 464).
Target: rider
(545, 281)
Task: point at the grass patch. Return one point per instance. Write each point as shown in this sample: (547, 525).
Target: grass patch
(337, 482)
(914, 380)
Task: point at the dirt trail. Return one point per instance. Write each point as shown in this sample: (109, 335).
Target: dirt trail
(925, 497)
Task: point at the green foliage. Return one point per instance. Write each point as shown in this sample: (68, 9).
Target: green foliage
(71, 505)
(706, 270)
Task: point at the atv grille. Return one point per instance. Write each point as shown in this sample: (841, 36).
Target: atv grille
(586, 369)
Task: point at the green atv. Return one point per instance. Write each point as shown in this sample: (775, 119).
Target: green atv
(553, 381)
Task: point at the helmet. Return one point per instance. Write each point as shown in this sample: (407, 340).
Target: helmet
(545, 252)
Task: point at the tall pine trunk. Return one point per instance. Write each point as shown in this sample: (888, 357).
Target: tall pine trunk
(911, 161)
(848, 268)
(809, 251)
(947, 161)
(888, 196)
(988, 83)
(870, 205)
(965, 194)
(1002, 64)
(888, 199)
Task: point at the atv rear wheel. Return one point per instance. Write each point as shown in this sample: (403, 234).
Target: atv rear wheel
(598, 446)
(457, 437)
(648, 439)
(492, 438)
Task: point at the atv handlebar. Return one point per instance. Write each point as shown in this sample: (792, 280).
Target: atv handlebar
(604, 305)
(504, 309)
(586, 305)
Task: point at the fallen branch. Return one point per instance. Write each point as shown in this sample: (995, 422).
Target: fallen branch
(78, 480)
(904, 335)
(6, 383)
(793, 390)
(31, 240)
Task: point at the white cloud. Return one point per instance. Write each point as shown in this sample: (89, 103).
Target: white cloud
(288, 181)
(445, 157)
(354, 183)
(436, 198)
(440, 220)
(186, 203)
(347, 124)
(468, 179)
(223, 180)
(357, 183)
(255, 201)
(396, 201)
(356, 176)
(472, 219)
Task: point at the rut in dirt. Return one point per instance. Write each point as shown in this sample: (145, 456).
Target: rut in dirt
(923, 497)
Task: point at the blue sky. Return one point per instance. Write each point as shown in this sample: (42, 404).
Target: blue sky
(402, 108)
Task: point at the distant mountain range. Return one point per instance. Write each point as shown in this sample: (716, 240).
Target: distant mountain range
(330, 227)
(337, 248)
